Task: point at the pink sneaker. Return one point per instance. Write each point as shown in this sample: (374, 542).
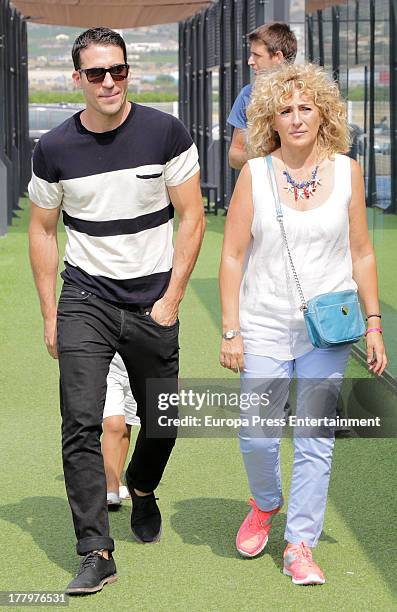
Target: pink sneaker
(253, 534)
(299, 564)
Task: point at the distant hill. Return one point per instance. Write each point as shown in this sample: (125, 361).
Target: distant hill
(55, 42)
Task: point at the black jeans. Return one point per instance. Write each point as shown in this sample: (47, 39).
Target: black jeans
(90, 331)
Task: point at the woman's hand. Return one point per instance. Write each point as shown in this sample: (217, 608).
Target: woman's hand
(376, 355)
(237, 238)
(232, 354)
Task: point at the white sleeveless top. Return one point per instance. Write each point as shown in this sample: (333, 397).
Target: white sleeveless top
(270, 320)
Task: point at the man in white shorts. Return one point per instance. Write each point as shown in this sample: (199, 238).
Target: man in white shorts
(119, 414)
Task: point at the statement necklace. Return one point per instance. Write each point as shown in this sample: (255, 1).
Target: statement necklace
(303, 189)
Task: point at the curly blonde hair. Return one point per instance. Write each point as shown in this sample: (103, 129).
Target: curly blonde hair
(270, 94)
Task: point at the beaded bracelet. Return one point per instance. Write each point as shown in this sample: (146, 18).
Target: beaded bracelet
(373, 315)
(373, 329)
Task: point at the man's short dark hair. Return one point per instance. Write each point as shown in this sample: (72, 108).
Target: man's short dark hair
(97, 36)
(276, 36)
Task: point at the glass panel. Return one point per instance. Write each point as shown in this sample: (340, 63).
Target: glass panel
(215, 104)
(343, 54)
(327, 33)
(382, 107)
(356, 111)
(56, 117)
(363, 39)
(297, 24)
(42, 119)
(316, 40)
(32, 119)
(363, 8)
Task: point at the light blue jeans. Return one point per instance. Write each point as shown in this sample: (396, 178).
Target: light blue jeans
(319, 376)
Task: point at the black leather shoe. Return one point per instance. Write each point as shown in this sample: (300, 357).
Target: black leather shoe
(95, 571)
(145, 518)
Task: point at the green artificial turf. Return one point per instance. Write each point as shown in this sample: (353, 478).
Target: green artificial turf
(202, 496)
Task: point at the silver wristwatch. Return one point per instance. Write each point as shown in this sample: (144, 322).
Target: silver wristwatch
(231, 333)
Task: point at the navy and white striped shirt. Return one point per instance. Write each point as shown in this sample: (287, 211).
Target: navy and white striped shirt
(112, 188)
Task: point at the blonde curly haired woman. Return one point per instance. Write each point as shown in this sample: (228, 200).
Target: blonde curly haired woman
(297, 117)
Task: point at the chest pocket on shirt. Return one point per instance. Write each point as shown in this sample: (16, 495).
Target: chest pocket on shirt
(151, 189)
(149, 176)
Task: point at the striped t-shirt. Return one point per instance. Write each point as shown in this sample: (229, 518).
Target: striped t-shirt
(112, 188)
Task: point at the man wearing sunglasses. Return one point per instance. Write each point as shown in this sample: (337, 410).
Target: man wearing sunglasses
(113, 169)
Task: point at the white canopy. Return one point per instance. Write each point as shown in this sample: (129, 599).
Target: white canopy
(111, 13)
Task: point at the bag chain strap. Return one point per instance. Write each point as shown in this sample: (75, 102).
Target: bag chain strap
(279, 214)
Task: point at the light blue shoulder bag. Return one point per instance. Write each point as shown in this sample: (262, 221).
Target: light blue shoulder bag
(331, 318)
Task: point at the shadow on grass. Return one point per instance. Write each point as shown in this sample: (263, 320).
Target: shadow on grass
(363, 490)
(214, 522)
(49, 522)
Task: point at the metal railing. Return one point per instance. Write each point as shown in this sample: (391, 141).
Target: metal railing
(14, 120)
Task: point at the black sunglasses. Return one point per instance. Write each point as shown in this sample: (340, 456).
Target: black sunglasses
(119, 72)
